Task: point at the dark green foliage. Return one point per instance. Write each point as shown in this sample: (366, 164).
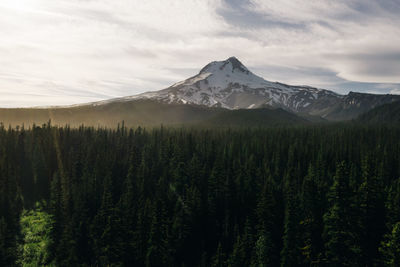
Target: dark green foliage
(313, 206)
(388, 113)
(268, 227)
(391, 248)
(372, 210)
(296, 196)
(291, 254)
(253, 117)
(36, 227)
(342, 248)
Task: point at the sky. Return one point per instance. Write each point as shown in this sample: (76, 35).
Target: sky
(58, 52)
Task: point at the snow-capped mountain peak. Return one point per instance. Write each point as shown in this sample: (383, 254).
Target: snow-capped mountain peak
(219, 75)
(229, 84)
(232, 65)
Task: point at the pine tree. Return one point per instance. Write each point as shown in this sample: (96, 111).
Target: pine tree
(393, 203)
(340, 241)
(391, 247)
(238, 255)
(219, 258)
(55, 208)
(141, 233)
(5, 258)
(158, 250)
(107, 229)
(196, 197)
(372, 211)
(128, 213)
(291, 254)
(312, 217)
(266, 247)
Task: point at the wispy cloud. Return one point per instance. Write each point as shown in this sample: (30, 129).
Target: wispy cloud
(74, 51)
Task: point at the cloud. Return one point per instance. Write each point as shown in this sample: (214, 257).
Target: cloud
(395, 91)
(82, 45)
(74, 51)
(392, 88)
(357, 41)
(380, 66)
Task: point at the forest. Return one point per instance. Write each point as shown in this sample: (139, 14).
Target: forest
(314, 195)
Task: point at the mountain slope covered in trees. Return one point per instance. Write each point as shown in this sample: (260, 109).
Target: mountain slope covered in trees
(303, 196)
(146, 113)
(388, 113)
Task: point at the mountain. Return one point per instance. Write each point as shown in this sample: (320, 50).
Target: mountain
(353, 105)
(147, 112)
(387, 113)
(229, 84)
(222, 93)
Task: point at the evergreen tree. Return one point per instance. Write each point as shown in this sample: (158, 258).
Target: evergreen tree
(5, 255)
(219, 258)
(312, 214)
(200, 197)
(391, 247)
(266, 247)
(291, 254)
(372, 211)
(158, 253)
(340, 241)
(107, 229)
(238, 255)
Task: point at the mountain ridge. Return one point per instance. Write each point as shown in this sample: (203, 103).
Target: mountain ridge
(230, 84)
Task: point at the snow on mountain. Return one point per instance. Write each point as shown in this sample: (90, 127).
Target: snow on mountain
(229, 84)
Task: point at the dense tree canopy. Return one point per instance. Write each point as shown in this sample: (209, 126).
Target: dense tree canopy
(294, 196)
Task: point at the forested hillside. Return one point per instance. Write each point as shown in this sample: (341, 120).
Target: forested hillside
(299, 196)
(388, 114)
(147, 113)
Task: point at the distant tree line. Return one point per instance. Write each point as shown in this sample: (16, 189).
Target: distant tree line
(294, 196)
